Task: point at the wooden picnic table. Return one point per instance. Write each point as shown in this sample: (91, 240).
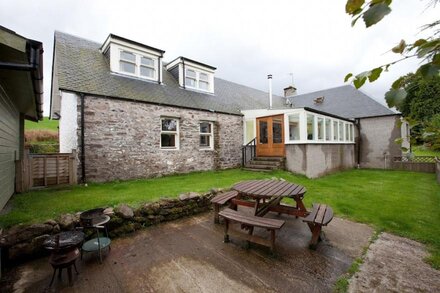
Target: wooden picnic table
(267, 196)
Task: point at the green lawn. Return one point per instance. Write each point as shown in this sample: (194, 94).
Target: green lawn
(420, 150)
(45, 124)
(404, 203)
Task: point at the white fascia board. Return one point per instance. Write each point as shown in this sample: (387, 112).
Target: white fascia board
(129, 46)
(173, 64)
(198, 67)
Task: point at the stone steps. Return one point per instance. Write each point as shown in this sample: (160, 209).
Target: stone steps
(265, 164)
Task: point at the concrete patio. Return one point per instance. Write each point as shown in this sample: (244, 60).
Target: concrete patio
(189, 255)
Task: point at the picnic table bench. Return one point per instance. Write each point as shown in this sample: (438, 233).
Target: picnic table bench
(222, 199)
(320, 215)
(249, 222)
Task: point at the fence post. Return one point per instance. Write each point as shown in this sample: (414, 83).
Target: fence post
(73, 168)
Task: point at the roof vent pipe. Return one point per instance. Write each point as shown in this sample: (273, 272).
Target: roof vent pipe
(269, 77)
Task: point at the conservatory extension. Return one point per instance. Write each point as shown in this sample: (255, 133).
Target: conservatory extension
(313, 143)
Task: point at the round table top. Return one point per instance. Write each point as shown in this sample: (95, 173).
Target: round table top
(269, 188)
(67, 239)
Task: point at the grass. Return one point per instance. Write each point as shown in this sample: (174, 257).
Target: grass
(45, 124)
(420, 150)
(404, 203)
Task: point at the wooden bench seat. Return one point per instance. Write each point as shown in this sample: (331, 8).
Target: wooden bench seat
(320, 215)
(249, 222)
(222, 199)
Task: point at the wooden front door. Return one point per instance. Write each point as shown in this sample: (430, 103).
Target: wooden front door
(270, 136)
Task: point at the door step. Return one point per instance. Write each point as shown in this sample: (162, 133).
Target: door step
(265, 164)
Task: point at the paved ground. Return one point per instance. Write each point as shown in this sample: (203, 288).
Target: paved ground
(189, 256)
(395, 264)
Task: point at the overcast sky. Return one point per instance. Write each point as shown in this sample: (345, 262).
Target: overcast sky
(245, 40)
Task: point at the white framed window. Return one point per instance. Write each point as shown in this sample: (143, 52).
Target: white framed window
(335, 130)
(328, 131)
(206, 135)
(137, 65)
(294, 126)
(320, 128)
(351, 132)
(341, 131)
(169, 134)
(310, 127)
(127, 62)
(197, 79)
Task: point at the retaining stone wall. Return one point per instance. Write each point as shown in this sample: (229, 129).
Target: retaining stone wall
(24, 242)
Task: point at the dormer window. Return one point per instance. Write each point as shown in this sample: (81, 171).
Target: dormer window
(192, 75)
(197, 80)
(133, 59)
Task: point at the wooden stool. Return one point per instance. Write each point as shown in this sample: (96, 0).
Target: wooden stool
(59, 261)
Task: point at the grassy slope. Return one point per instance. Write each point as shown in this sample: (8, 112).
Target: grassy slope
(46, 124)
(405, 203)
(420, 150)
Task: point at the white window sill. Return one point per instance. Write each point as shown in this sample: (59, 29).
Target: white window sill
(206, 149)
(169, 149)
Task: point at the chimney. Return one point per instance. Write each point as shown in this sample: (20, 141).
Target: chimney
(269, 77)
(289, 91)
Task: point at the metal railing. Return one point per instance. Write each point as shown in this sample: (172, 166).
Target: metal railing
(251, 148)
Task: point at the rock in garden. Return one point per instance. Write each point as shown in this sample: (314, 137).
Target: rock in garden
(67, 221)
(21, 233)
(124, 211)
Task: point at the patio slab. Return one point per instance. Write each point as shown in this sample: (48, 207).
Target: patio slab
(189, 255)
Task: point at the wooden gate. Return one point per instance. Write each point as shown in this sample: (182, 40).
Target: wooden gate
(40, 170)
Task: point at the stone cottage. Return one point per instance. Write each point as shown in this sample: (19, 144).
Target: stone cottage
(131, 115)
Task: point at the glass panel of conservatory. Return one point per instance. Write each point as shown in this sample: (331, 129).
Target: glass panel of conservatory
(294, 127)
(341, 131)
(320, 128)
(335, 130)
(347, 132)
(310, 127)
(328, 126)
(249, 131)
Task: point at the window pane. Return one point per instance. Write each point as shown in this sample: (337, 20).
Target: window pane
(263, 132)
(347, 132)
(249, 130)
(205, 141)
(169, 125)
(127, 67)
(341, 131)
(335, 130)
(205, 127)
(203, 76)
(351, 132)
(203, 85)
(147, 71)
(190, 73)
(190, 82)
(294, 127)
(320, 128)
(128, 56)
(168, 140)
(310, 127)
(277, 132)
(328, 125)
(147, 61)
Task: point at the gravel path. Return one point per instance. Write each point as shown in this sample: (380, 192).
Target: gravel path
(395, 264)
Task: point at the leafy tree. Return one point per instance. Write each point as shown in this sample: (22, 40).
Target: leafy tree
(428, 49)
(432, 132)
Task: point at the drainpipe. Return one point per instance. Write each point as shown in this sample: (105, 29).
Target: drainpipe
(269, 77)
(83, 155)
(358, 144)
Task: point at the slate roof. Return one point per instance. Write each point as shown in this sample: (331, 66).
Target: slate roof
(83, 68)
(345, 101)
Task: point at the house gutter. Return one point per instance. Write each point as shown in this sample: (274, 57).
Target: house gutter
(83, 154)
(34, 51)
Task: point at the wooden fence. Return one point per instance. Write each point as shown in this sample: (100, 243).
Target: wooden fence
(417, 164)
(41, 170)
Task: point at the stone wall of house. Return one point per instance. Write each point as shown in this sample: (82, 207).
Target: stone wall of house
(25, 242)
(315, 160)
(377, 141)
(122, 140)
